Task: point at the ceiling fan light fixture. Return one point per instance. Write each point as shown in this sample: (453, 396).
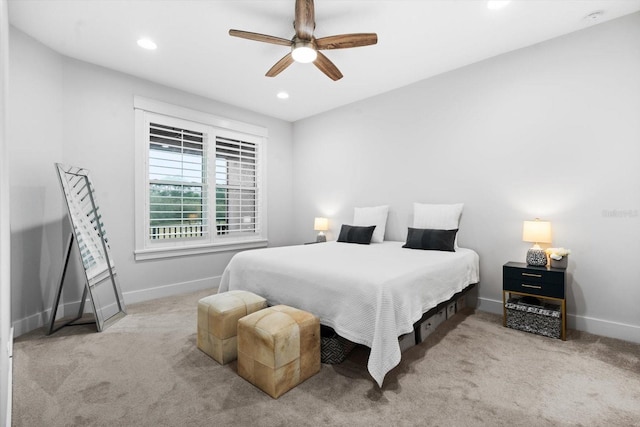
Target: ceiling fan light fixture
(304, 52)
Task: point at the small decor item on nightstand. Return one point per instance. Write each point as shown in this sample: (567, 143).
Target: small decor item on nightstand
(321, 225)
(558, 257)
(536, 232)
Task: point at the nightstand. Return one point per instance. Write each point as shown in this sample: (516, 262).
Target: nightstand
(546, 283)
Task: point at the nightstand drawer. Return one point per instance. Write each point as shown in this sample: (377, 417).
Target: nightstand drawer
(553, 290)
(538, 275)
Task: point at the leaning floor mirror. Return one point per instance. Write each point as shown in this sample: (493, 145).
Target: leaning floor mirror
(89, 237)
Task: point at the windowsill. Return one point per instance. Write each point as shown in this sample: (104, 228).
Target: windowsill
(170, 252)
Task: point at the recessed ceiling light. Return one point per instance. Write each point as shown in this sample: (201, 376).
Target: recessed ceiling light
(147, 44)
(497, 4)
(594, 17)
(282, 95)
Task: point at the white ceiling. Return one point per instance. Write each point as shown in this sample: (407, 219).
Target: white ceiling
(417, 39)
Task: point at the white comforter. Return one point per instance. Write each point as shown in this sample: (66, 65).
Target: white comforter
(370, 294)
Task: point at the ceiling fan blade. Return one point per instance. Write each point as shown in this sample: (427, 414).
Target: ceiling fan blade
(280, 65)
(326, 66)
(259, 37)
(304, 23)
(344, 41)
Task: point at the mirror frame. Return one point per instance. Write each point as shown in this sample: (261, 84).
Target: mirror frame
(93, 249)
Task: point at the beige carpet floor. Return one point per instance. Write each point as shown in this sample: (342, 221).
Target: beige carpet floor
(145, 370)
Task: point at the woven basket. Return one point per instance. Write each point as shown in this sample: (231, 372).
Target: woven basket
(543, 319)
(333, 348)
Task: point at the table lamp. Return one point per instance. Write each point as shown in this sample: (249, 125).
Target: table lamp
(321, 225)
(536, 232)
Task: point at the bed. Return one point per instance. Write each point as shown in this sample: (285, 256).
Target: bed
(369, 294)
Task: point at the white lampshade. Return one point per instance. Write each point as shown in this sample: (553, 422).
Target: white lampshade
(321, 224)
(536, 231)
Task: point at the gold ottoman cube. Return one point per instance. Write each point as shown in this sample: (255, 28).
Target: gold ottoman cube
(218, 317)
(278, 348)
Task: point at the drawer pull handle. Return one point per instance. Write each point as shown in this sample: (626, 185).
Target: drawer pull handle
(532, 275)
(531, 286)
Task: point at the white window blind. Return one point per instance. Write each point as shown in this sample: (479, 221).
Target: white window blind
(177, 183)
(237, 187)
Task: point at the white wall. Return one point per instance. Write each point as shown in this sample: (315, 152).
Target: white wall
(6, 339)
(83, 115)
(549, 131)
(35, 142)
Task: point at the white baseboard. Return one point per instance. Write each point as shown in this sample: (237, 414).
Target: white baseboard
(133, 297)
(489, 305)
(29, 323)
(605, 328)
(591, 325)
(35, 321)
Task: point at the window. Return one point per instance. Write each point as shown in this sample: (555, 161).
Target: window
(177, 179)
(236, 187)
(199, 182)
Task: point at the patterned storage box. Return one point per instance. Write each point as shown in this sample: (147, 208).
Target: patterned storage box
(333, 348)
(542, 319)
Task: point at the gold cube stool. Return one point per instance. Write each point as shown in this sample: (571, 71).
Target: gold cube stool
(218, 317)
(278, 348)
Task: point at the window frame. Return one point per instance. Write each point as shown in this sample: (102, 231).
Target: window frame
(148, 110)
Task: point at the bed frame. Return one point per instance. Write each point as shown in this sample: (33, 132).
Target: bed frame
(444, 310)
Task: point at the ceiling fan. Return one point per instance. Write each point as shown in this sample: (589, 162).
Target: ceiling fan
(305, 47)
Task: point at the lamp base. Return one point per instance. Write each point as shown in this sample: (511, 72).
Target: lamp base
(536, 257)
(321, 238)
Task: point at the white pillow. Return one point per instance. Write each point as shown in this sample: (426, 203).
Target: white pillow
(437, 217)
(372, 216)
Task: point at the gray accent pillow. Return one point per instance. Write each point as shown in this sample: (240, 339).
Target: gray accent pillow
(355, 234)
(429, 239)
